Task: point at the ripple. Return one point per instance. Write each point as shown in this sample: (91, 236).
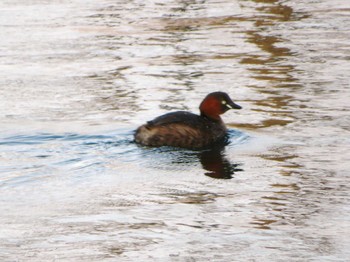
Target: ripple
(91, 153)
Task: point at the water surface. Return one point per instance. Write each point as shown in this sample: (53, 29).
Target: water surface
(77, 77)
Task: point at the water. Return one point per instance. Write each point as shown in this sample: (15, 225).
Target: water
(77, 77)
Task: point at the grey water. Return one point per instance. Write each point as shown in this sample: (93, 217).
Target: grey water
(78, 77)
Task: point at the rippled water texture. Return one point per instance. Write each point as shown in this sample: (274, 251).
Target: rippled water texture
(77, 77)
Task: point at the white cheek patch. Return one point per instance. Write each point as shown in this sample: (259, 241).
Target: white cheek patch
(225, 103)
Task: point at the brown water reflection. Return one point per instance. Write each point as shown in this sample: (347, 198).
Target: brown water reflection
(282, 85)
(278, 75)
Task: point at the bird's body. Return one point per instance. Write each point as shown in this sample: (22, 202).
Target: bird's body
(188, 130)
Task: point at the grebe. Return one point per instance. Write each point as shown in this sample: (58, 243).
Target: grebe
(188, 130)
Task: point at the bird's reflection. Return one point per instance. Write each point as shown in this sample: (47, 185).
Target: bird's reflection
(213, 160)
(216, 164)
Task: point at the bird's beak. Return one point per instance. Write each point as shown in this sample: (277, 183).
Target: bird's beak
(232, 105)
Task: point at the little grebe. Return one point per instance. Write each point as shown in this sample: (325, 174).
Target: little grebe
(187, 130)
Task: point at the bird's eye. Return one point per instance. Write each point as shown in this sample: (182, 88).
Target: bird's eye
(224, 102)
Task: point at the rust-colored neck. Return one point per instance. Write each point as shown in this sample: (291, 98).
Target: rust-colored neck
(211, 108)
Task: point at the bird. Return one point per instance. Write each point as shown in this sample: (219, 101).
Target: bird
(188, 130)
